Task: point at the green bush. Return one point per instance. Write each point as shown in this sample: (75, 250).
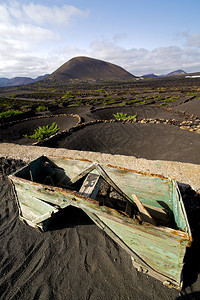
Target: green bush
(9, 113)
(192, 93)
(67, 95)
(123, 116)
(12, 96)
(122, 103)
(41, 108)
(44, 132)
(100, 90)
(72, 105)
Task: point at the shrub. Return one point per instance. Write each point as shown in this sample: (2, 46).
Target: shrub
(73, 105)
(192, 93)
(122, 103)
(67, 95)
(12, 96)
(44, 132)
(123, 116)
(100, 90)
(41, 108)
(9, 113)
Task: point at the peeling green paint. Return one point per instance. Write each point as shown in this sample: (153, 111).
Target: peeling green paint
(159, 250)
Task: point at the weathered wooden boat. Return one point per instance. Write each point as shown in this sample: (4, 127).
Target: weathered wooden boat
(157, 248)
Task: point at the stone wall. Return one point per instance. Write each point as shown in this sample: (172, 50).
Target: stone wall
(182, 172)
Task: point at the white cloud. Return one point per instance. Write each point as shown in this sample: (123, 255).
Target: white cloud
(142, 61)
(27, 31)
(33, 42)
(4, 13)
(119, 36)
(193, 41)
(137, 61)
(40, 14)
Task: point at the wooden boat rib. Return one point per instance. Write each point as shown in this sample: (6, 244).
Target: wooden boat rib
(51, 183)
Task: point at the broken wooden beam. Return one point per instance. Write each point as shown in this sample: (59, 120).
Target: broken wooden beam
(145, 215)
(91, 185)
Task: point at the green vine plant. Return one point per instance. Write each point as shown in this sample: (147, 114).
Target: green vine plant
(123, 116)
(41, 108)
(43, 132)
(9, 113)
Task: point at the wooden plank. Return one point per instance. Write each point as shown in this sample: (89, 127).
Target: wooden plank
(146, 217)
(115, 186)
(72, 167)
(159, 214)
(83, 173)
(47, 193)
(137, 261)
(164, 254)
(53, 195)
(91, 185)
(40, 207)
(151, 190)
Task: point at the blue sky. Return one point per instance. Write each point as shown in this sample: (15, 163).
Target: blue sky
(157, 36)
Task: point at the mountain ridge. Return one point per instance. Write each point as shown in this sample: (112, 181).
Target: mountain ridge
(15, 81)
(177, 72)
(90, 69)
(86, 69)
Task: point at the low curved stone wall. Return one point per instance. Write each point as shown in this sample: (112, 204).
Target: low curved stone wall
(40, 117)
(185, 125)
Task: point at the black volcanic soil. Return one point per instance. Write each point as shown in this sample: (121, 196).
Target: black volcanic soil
(148, 141)
(15, 132)
(75, 259)
(141, 111)
(191, 107)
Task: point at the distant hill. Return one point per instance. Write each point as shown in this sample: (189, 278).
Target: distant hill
(89, 69)
(174, 73)
(194, 74)
(177, 72)
(149, 76)
(4, 82)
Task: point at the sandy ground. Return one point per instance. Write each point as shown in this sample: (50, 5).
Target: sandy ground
(149, 141)
(141, 111)
(75, 259)
(191, 107)
(15, 132)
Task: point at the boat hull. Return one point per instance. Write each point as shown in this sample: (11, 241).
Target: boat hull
(156, 250)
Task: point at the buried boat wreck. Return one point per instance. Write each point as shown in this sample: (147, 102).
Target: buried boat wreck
(143, 213)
